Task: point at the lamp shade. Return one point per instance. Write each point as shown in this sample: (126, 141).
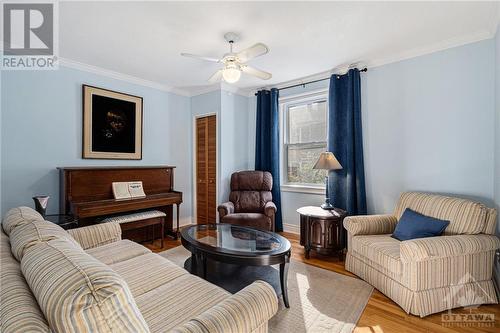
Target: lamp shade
(327, 161)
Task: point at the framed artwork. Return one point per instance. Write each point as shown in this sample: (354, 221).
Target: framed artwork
(112, 124)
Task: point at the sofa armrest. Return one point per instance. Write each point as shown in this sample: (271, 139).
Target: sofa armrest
(447, 246)
(225, 208)
(370, 224)
(97, 235)
(245, 311)
(270, 209)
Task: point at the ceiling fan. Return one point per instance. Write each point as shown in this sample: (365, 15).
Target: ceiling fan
(236, 62)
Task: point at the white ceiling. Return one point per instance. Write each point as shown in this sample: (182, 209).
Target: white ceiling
(144, 39)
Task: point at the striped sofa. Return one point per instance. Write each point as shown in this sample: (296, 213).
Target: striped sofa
(427, 275)
(90, 280)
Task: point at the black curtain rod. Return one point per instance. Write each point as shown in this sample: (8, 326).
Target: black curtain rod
(319, 80)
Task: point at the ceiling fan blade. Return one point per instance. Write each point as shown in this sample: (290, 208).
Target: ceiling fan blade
(256, 72)
(216, 77)
(252, 52)
(200, 57)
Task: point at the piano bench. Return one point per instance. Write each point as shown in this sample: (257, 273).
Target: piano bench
(140, 220)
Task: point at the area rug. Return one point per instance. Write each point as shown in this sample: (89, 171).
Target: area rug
(320, 300)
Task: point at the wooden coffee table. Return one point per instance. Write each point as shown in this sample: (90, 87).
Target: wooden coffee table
(232, 257)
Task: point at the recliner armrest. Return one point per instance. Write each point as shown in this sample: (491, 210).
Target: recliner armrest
(245, 311)
(97, 235)
(370, 224)
(225, 208)
(447, 246)
(270, 209)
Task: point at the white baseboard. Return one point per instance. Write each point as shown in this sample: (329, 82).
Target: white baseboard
(184, 221)
(291, 228)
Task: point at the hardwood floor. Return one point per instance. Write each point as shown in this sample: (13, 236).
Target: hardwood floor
(381, 315)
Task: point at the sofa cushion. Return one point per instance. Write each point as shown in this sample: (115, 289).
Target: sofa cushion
(178, 301)
(382, 251)
(159, 271)
(19, 311)
(35, 231)
(18, 216)
(77, 293)
(413, 225)
(255, 220)
(117, 251)
(465, 216)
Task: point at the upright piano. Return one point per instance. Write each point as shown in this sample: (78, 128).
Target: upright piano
(86, 192)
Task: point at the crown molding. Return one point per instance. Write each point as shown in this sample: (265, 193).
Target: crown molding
(414, 53)
(197, 91)
(248, 92)
(221, 86)
(187, 92)
(436, 47)
(234, 90)
(120, 76)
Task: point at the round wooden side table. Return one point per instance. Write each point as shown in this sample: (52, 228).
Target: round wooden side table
(322, 230)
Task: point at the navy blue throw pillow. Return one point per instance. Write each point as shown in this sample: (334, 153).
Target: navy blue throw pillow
(413, 225)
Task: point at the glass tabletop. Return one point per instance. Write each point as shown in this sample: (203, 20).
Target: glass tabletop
(227, 237)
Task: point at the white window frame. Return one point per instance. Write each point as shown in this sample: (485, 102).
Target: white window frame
(286, 103)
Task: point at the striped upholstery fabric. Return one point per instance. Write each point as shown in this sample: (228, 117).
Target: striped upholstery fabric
(491, 221)
(18, 216)
(382, 251)
(465, 216)
(447, 246)
(118, 251)
(242, 312)
(19, 311)
(135, 216)
(190, 327)
(160, 271)
(35, 231)
(178, 301)
(424, 302)
(59, 287)
(77, 293)
(97, 235)
(428, 275)
(370, 224)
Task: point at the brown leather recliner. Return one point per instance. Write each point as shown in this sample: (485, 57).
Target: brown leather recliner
(250, 201)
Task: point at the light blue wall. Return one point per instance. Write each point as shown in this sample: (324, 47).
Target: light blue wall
(234, 139)
(42, 129)
(427, 125)
(497, 142)
(232, 134)
(497, 125)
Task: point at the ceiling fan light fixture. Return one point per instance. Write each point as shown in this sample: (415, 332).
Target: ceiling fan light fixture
(231, 74)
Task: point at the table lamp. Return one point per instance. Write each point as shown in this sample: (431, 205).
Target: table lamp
(327, 161)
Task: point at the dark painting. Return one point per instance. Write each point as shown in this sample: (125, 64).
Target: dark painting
(113, 125)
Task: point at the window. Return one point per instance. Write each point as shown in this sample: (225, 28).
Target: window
(304, 120)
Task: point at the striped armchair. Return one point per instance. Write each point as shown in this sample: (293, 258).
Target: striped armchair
(427, 275)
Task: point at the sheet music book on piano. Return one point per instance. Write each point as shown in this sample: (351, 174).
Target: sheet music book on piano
(128, 190)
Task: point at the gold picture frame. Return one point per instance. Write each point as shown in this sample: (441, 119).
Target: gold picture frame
(112, 124)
